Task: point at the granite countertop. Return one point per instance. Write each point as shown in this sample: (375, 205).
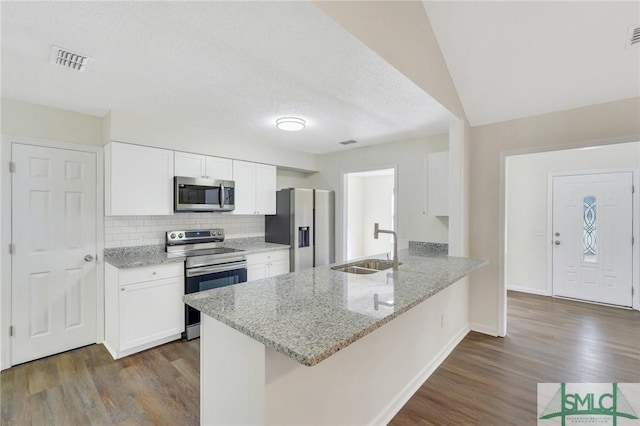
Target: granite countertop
(140, 256)
(253, 245)
(312, 314)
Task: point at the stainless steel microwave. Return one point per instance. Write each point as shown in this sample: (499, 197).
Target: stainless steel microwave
(203, 195)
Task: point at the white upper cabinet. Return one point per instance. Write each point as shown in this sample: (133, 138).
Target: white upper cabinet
(138, 180)
(244, 175)
(189, 165)
(255, 190)
(219, 168)
(265, 189)
(438, 183)
(196, 165)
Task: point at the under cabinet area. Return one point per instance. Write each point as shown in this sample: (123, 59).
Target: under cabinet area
(197, 165)
(138, 180)
(255, 188)
(267, 264)
(143, 307)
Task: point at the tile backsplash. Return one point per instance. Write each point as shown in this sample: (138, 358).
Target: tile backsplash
(124, 231)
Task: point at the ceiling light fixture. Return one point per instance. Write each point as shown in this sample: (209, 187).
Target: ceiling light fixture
(290, 124)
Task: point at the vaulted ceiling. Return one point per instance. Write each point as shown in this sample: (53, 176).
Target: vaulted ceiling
(514, 59)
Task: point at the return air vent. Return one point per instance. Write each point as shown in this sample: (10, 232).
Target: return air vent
(69, 59)
(349, 142)
(634, 36)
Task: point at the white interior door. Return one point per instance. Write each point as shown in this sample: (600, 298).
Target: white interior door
(592, 237)
(54, 236)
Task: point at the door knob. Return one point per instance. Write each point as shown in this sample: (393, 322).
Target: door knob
(556, 242)
(557, 234)
(88, 258)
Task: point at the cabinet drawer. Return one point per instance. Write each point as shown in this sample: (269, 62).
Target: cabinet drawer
(148, 273)
(267, 256)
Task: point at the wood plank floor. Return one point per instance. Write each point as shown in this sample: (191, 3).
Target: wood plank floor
(489, 381)
(485, 381)
(86, 386)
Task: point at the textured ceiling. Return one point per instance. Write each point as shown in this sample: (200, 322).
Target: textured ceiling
(514, 59)
(234, 66)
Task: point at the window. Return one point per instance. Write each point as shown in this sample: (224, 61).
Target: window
(589, 237)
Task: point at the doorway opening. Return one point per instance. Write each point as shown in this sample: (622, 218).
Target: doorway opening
(529, 238)
(369, 198)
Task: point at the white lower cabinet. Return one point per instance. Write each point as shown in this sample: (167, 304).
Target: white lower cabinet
(267, 264)
(143, 307)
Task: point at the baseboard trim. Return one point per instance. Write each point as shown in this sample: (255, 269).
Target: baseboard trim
(529, 290)
(407, 392)
(110, 350)
(481, 328)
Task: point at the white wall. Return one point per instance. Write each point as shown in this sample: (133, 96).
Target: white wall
(377, 195)
(613, 122)
(292, 179)
(527, 242)
(413, 221)
(42, 122)
(125, 127)
(355, 213)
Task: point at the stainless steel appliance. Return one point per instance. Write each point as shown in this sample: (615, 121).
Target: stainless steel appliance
(209, 264)
(203, 195)
(304, 219)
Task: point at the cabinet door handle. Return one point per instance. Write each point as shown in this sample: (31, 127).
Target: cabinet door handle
(122, 288)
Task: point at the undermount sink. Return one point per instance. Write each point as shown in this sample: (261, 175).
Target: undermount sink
(354, 270)
(367, 266)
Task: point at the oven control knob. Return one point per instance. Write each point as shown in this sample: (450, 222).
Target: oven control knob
(180, 235)
(172, 236)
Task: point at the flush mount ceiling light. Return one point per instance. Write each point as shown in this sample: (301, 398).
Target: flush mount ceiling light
(290, 124)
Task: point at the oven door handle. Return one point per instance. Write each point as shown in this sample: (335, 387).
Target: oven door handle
(194, 272)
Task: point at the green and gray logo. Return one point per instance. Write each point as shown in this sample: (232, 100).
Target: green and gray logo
(586, 403)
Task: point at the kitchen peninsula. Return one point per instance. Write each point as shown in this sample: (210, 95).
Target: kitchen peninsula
(319, 346)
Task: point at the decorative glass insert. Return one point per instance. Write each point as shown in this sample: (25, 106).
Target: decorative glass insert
(589, 234)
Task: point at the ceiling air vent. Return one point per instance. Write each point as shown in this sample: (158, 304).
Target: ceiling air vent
(69, 59)
(634, 36)
(349, 142)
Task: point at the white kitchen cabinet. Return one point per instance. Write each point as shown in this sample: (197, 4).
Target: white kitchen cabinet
(219, 168)
(267, 264)
(143, 307)
(196, 165)
(438, 183)
(255, 190)
(265, 189)
(138, 180)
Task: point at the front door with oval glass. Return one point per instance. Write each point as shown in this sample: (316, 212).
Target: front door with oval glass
(592, 237)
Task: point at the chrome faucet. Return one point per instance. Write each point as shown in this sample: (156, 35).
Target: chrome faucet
(376, 231)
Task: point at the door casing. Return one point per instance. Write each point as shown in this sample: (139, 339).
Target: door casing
(5, 235)
(636, 226)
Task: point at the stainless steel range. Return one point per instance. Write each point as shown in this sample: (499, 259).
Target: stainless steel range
(209, 264)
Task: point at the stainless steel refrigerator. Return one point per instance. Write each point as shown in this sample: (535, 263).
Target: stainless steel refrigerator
(304, 219)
